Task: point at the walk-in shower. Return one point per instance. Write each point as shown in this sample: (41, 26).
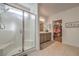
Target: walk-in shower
(17, 30)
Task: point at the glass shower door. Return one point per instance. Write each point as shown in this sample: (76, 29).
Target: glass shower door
(10, 30)
(32, 30)
(29, 31)
(17, 30)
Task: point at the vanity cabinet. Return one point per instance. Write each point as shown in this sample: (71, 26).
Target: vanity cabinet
(45, 36)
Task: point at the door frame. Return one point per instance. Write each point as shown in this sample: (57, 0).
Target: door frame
(53, 28)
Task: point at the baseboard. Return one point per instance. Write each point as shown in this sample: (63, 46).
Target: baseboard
(70, 44)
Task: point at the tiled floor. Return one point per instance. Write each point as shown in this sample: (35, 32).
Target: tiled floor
(46, 44)
(57, 49)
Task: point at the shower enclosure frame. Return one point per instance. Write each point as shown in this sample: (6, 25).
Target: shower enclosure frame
(23, 32)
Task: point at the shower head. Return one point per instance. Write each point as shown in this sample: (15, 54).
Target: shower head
(4, 11)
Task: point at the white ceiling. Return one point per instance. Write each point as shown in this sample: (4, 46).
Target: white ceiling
(48, 9)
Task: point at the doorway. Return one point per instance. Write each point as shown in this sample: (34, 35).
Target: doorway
(57, 30)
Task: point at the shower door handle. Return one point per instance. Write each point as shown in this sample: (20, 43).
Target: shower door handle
(21, 31)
